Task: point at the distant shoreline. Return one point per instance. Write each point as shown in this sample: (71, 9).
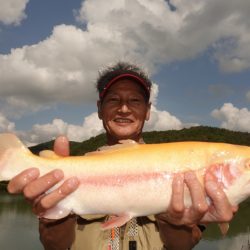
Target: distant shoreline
(3, 186)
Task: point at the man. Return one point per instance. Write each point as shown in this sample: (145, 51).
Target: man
(123, 106)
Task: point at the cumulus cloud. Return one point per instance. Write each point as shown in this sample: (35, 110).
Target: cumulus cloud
(91, 126)
(6, 125)
(162, 120)
(156, 33)
(233, 118)
(12, 11)
(63, 67)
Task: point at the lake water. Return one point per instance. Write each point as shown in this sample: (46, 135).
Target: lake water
(19, 228)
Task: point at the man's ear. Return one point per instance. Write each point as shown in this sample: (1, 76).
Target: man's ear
(99, 109)
(148, 111)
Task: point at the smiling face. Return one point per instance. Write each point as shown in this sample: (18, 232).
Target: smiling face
(123, 111)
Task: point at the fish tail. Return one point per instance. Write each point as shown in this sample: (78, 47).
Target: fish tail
(8, 141)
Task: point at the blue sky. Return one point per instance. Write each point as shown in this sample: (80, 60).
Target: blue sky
(196, 52)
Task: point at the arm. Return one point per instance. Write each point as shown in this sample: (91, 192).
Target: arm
(57, 234)
(178, 237)
(53, 234)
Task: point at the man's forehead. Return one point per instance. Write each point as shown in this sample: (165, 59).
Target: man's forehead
(126, 85)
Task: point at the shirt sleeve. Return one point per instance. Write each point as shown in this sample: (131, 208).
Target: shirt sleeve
(178, 237)
(57, 234)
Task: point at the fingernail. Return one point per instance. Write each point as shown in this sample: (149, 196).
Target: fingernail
(33, 172)
(179, 178)
(73, 182)
(62, 138)
(58, 174)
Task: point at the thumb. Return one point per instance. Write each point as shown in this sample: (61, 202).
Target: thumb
(61, 146)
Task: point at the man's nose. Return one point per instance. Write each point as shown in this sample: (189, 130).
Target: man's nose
(124, 107)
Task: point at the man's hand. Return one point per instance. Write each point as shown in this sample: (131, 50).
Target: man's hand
(220, 210)
(34, 187)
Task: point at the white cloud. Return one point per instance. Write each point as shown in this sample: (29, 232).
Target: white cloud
(91, 126)
(12, 11)
(162, 120)
(63, 67)
(233, 118)
(153, 33)
(6, 125)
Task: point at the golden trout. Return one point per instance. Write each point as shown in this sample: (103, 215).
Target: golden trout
(130, 179)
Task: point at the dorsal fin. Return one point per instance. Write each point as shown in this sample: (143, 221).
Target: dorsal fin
(122, 144)
(8, 140)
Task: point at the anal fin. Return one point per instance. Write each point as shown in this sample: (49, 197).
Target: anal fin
(116, 221)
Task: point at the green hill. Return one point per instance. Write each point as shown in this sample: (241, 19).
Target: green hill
(201, 133)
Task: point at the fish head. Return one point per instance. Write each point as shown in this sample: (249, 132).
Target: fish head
(238, 186)
(246, 171)
(247, 165)
(233, 175)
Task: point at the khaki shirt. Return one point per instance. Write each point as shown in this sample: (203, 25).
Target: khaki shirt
(89, 236)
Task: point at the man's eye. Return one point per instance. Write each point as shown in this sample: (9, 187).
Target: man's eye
(135, 100)
(113, 99)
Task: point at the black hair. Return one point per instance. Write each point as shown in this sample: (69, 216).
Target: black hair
(109, 73)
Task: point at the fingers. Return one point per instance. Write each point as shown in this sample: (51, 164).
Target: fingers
(176, 207)
(177, 200)
(199, 204)
(17, 184)
(177, 212)
(61, 146)
(41, 185)
(51, 199)
(223, 211)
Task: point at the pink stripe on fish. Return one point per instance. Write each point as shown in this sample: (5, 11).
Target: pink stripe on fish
(123, 179)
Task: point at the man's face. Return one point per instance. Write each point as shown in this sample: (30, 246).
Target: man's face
(124, 110)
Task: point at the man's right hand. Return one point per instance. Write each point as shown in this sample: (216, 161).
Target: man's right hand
(34, 187)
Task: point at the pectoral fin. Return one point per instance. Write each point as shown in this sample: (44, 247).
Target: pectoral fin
(224, 228)
(116, 221)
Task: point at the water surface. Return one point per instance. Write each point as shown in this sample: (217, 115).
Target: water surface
(19, 228)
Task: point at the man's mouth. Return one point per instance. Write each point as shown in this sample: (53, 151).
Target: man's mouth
(123, 120)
